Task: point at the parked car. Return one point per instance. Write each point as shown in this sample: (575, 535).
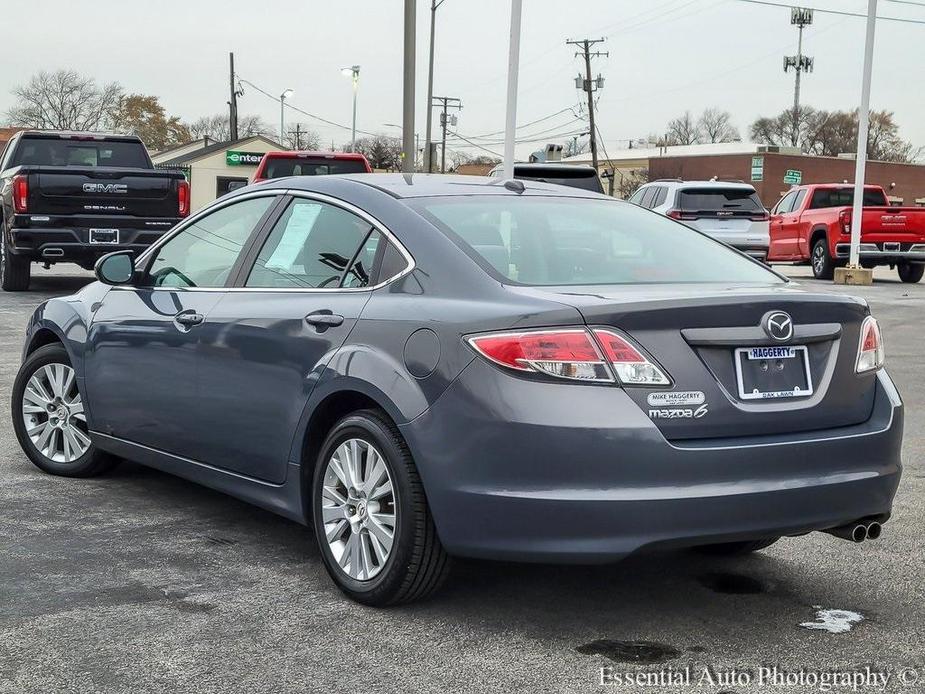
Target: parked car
(729, 212)
(812, 223)
(572, 175)
(280, 164)
(434, 366)
(71, 197)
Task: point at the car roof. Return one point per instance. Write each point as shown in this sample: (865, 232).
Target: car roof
(421, 185)
(304, 154)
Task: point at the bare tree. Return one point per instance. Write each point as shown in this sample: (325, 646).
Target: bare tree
(683, 130)
(630, 181)
(143, 115)
(716, 126)
(382, 151)
(218, 129)
(64, 100)
(300, 137)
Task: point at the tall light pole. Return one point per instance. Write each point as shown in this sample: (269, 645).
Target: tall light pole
(407, 122)
(860, 166)
(354, 73)
(282, 115)
(417, 140)
(428, 164)
(513, 69)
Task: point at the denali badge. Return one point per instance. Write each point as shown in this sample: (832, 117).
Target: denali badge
(674, 398)
(778, 326)
(679, 413)
(119, 188)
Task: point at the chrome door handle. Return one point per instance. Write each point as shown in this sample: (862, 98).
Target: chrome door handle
(189, 319)
(324, 320)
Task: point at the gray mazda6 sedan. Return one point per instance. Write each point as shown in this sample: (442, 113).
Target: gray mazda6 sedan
(421, 367)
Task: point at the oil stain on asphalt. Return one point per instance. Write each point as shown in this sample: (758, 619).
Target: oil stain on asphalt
(644, 652)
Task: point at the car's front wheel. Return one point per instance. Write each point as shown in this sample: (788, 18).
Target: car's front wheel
(376, 535)
(49, 418)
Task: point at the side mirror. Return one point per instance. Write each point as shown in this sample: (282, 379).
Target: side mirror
(115, 268)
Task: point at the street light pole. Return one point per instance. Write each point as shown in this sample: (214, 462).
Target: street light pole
(407, 129)
(353, 72)
(863, 127)
(282, 115)
(428, 164)
(513, 67)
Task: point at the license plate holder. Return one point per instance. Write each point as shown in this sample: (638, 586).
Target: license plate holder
(773, 372)
(104, 237)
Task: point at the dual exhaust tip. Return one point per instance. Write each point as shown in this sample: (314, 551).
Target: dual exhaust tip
(859, 531)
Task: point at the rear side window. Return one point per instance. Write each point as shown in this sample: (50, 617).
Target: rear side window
(716, 199)
(50, 151)
(636, 198)
(844, 197)
(560, 241)
(277, 167)
(316, 245)
(660, 195)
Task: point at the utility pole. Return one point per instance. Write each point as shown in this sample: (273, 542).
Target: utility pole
(589, 85)
(428, 164)
(233, 103)
(297, 134)
(445, 102)
(513, 75)
(407, 123)
(800, 17)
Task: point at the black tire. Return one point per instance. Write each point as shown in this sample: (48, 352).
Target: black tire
(15, 272)
(417, 564)
(822, 262)
(93, 461)
(911, 272)
(732, 549)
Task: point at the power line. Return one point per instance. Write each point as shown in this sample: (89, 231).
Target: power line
(525, 125)
(839, 12)
(570, 124)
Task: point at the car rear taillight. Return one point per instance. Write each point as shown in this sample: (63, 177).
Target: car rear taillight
(681, 216)
(870, 351)
(568, 353)
(630, 365)
(844, 221)
(763, 217)
(183, 198)
(21, 193)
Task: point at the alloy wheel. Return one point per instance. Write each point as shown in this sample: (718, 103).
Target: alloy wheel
(818, 259)
(53, 412)
(358, 509)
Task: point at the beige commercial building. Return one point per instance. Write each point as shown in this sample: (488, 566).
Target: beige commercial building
(214, 169)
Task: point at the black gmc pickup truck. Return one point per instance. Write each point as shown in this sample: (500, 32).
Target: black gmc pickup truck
(73, 197)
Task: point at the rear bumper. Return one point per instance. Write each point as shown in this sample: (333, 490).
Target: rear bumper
(885, 253)
(73, 244)
(583, 475)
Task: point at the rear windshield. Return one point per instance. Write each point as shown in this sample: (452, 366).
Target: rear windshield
(844, 197)
(717, 199)
(46, 151)
(584, 179)
(566, 241)
(277, 167)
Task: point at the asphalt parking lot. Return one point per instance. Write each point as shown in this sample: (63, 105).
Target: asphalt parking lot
(141, 582)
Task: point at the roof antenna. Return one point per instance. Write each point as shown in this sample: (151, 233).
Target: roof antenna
(515, 185)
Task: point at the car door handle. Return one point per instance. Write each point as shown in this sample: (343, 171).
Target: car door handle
(189, 319)
(324, 320)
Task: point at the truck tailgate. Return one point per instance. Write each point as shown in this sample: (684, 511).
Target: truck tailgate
(903, 224)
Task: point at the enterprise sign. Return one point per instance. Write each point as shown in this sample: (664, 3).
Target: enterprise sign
(233, 158)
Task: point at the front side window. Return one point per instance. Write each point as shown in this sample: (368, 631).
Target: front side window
(315, 245)
(203, 253)
(785, 204)
(562, 241)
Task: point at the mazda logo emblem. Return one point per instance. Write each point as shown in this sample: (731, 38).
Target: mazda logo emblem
(778, 326)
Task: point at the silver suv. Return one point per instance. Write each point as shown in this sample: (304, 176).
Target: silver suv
(729, 212)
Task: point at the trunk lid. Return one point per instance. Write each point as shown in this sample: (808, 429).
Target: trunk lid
(694, 332)
(885, 224)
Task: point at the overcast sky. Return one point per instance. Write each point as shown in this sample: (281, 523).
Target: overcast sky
(666, 56)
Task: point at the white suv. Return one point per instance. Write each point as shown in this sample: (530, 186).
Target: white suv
(729, 212)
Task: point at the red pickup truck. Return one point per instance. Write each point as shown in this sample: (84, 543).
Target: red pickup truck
(812, 223)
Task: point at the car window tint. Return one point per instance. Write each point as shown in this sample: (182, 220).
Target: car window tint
(798, 200)
(785, 204)
(361, 269)
(648, 197)
(203, 253)
(554, 241)
(636, 197)
(844, 197)
(711, 199)
(310, 247)
(393, 263)
(660, 195)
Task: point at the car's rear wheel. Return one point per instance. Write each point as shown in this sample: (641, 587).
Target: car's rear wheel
(823, 264)
(15, 272)
(49, 419)
(376, 535)
(911, 272)
(727, 549)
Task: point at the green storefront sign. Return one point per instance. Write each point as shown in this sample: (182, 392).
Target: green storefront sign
(233, 158)
(793, 177)
(757, 168)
